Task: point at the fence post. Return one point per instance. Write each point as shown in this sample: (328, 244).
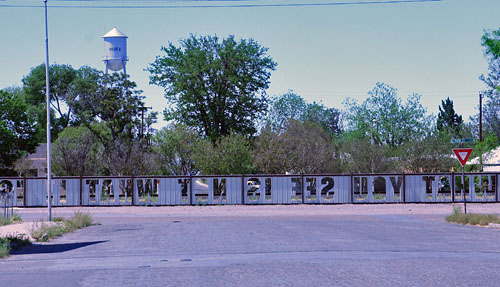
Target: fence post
(242, 189)
(190, 189)
(452, 187)
(24, 190)
(133, 191)
(81, 190)
(303, 185)
(403, 192)
(352, 188)
(496, 187)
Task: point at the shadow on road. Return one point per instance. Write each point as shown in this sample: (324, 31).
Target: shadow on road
(54, 248)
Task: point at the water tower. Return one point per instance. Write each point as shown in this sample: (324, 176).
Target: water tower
(115, 51)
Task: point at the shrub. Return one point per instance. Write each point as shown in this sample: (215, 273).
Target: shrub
(12, 242)
(15, 218)
(471, 218)
(43, 232)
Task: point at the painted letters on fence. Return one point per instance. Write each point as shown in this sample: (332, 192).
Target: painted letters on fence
(249, 189)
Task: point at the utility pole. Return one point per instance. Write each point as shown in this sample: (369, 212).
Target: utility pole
(480, 117)
(47, 92)
(481, 127)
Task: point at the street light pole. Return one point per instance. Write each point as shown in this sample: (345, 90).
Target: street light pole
(47, 92)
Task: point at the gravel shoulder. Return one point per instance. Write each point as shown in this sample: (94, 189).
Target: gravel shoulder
(266, 210)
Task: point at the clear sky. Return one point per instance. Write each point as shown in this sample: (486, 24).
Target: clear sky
(324, 53)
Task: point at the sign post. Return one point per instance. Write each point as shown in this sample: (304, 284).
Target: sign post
(463, 155)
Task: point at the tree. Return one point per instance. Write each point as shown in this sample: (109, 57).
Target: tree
(360, 156)
(431, 154)
(271, 155)
(232, 154)
(290, 106)
(62, 79)
(17, 129)
(113, 101)
(491, 43)
(301, 148)
(330, 119)
(283, 108)
(76, 153)
(176, 145)
(22, 167)
(491, 116)
(394, 123)
(448, 119)
(212, 86)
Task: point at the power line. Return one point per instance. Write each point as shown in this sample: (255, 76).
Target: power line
(73, 6)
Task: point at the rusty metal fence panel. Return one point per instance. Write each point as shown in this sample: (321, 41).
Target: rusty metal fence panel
(256, 189)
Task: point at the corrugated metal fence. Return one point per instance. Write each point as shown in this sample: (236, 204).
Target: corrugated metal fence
(254, 189)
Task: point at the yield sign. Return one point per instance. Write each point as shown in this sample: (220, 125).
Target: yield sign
(462, 154)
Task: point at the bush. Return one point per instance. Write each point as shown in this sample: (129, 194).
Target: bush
(79, 220)
(11, 242)
(15, 218)
(43, 232)
(471, 219)
(5, 221)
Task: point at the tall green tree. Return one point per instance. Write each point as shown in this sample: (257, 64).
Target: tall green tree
(76, 153)
(110, 106)
(290, 106)
(231, 154)
(216, 87)
(448, 119)
(284, 108)
(394, 122)
(176, 146)
(491, 44)
(62, 79)
(17, 129)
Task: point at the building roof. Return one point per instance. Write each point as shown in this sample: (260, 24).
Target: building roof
(114, 33)
(491, 160)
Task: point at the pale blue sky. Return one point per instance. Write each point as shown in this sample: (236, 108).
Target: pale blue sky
(324, 53)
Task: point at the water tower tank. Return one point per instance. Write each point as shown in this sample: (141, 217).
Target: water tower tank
(115, 50)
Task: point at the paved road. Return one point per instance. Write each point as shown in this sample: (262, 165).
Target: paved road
(232, 247)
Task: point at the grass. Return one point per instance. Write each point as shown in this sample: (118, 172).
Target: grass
(11, 242)
(471, 218)
(15, 218)
(43, 232)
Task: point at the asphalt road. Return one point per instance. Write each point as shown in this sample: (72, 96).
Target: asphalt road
(280, 249)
